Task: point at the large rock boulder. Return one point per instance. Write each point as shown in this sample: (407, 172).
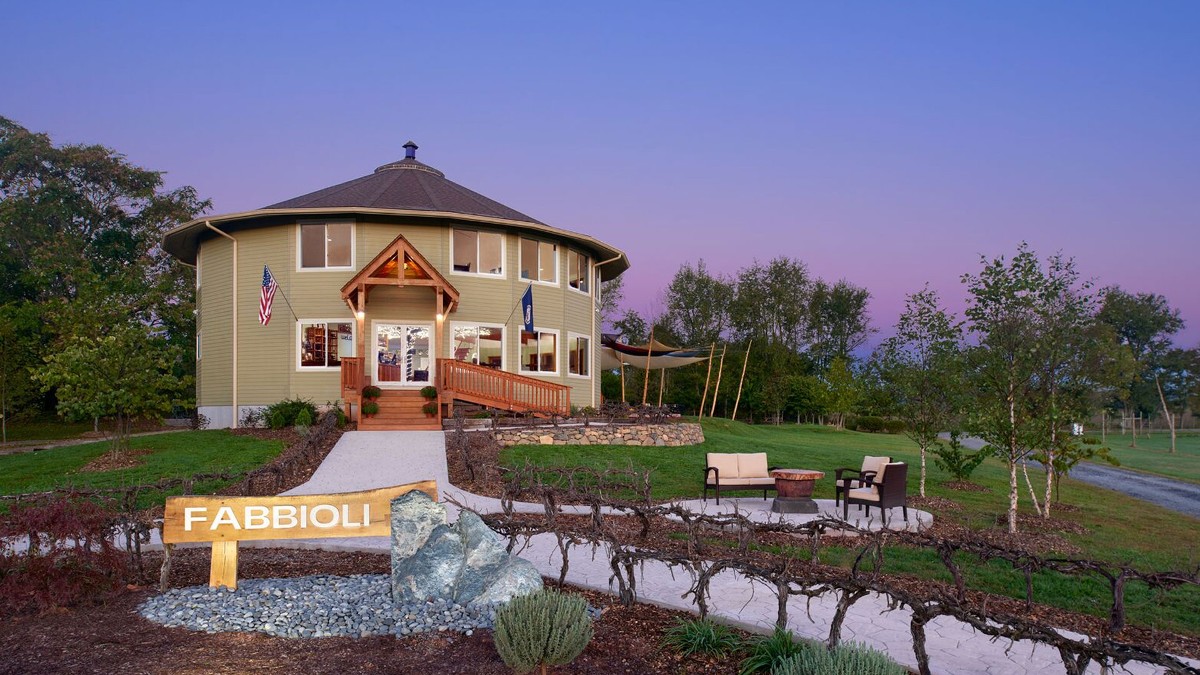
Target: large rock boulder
(467, 562)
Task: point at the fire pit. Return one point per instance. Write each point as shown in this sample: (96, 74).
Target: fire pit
(795, 488)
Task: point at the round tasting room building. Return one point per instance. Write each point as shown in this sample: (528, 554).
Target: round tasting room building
(401, 280)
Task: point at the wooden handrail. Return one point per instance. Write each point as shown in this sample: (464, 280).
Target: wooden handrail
(352, 374)
(501, 389)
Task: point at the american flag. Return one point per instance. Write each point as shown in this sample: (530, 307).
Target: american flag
(269, 286)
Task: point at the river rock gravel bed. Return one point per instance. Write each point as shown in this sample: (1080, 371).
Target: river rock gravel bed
(313, 606)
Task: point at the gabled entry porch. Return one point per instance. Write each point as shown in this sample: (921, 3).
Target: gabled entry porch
(399, 348)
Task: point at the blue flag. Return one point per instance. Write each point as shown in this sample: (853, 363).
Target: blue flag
(527, 309)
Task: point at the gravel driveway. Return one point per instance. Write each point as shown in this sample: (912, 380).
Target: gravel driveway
(1177, 495)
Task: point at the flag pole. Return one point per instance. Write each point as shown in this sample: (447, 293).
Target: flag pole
(646, 375)
(279, 289)
(712, 348)
(717, 388)
(741, 379)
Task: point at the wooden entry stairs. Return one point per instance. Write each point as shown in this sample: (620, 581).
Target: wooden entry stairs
(400, 410)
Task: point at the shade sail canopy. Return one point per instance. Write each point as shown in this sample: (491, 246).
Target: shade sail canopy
(613, 354)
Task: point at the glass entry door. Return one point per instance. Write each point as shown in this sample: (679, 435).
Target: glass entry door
(402, 354)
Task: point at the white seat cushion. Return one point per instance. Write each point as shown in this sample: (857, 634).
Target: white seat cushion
(725, 463)
(730, 482)
(870, 494)
(875, 464)
(753, 465)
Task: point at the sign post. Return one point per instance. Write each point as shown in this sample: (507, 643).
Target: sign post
(225, 521)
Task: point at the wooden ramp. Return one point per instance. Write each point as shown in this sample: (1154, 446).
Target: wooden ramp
(461, 381)
(400, 411)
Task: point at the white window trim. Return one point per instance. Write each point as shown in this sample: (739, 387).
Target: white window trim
(570, 336)
(485, 275)
(318, 221)
(483, 324)
(300, 343)
(557, 271)
(587, 275)
(558, 352)
(198, 344)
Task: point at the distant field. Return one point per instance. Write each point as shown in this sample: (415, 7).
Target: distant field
(1153, 455)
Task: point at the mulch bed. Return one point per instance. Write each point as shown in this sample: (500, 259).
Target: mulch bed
(112, 461)
(114, 638)
(966, 486)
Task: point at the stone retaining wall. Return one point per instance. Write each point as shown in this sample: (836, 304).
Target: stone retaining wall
(603, 434)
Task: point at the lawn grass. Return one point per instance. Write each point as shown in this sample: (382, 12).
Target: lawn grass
(1120, 529)
(1153, 454)
(173, 455)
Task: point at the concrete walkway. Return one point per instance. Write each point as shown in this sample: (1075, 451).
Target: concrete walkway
(364, 460)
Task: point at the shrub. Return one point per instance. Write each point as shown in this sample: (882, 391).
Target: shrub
(845, 659)
(769, 651)
(74, 560)
(304, 418)
(429, 391)
(199, 421)
(954, 461)
(701, 636)
(895, 426)
(371, 392)
(336, 408)
(283, 414)
(543, 629)
(252, 419)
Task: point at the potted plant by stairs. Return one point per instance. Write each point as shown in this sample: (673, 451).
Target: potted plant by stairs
(371, 392)
(429, 392)
(430, 409)
(370, 408)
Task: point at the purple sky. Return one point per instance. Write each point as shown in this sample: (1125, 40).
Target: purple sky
(886, 143)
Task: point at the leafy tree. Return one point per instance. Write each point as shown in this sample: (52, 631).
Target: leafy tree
(921, 367)
(124, 375)
(698, 305)
(839, 321)
(79, 247)
(1177, 379)
(1007, 319)
(612, 292)
(842, 391)
(771, 303)
(1144, 323)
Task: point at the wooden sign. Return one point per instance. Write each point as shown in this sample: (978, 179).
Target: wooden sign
(225, 521)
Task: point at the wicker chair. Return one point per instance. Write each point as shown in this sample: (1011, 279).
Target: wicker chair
(888, 490)
(844, 481)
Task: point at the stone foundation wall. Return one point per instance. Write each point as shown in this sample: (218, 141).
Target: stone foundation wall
(639, 434)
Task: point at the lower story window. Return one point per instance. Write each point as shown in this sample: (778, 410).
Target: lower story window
(539, 351)
(578, 356)
(324, 343)
(481, 345)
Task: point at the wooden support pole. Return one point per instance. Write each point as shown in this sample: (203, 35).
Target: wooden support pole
(662, 382)
(223, 569)
(741, 379)
(717, 388)
(646, 375)
(622, 382)
(704, 399)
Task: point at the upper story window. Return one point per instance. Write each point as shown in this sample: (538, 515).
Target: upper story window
(539, 261)
(577, 271)
(327, 245)
(478, 252)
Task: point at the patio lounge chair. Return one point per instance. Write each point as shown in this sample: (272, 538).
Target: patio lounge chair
(844, 481)
(888, 489)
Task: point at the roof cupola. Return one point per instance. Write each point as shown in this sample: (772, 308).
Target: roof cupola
(410, 150)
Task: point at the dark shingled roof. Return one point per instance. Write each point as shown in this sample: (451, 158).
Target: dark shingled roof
(407, 185)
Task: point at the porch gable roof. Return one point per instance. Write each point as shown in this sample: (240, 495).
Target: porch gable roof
(389, 267)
